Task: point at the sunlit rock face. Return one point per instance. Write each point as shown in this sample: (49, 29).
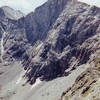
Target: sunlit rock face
(50, 42)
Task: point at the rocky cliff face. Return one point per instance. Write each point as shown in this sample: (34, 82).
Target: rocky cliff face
(9, 26)
(52, 42)
(62, 46)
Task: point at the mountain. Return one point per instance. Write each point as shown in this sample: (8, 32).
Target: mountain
(57, 45)
(38, 24)
(11, 13)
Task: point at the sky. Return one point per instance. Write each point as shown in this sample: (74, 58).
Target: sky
(92, 2)
(25, 6)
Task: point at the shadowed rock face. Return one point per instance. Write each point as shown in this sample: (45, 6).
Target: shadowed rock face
(38, 24)
(49, 40)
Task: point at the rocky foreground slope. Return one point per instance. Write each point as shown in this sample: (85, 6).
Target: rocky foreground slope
(61, 39)
(87, 84)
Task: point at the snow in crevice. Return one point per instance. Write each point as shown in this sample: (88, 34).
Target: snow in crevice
(2, 45)
(36, 83)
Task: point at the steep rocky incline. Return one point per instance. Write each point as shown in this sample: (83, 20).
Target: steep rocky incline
(10, 29)
(49, 41)
(87, 84)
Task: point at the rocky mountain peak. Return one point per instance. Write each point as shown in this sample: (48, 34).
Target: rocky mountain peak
(59, 40)
(11, 13)
(43, 18)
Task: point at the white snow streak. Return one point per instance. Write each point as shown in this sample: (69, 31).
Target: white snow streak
(2, 45)
(36, 83)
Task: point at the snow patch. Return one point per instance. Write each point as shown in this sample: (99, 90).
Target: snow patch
(20, 78)
(39, 46)
(36, 83)
(2, 47)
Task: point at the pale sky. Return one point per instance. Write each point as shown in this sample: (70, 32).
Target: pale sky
(25, 6)
(92, 2)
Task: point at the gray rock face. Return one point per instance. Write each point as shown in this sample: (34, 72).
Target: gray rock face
(38, 24)
(75, 25)
(49, 40)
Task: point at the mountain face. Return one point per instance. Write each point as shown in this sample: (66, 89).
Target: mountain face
(59, 39)
(11, 13)
(38, 24)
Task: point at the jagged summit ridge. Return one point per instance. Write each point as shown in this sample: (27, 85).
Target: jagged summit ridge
(11, 13)
(42, 19)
